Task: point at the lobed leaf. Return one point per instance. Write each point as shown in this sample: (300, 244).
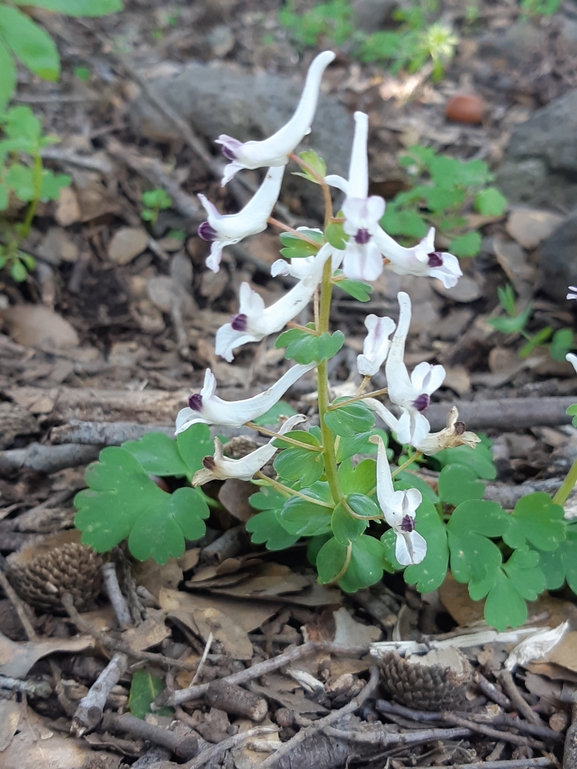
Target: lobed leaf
(348, 420)
(7, 81)
(536, 521)
(266, 528)
(29, 43)
(458, 483)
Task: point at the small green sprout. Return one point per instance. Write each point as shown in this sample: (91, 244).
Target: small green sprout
(154, 201)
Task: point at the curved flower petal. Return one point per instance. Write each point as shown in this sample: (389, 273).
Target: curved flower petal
(572, 295)
(219, 467)
(226, 229)
(410, 548)
(254, 322)
(454, 434)
(362, 262)
(358, 185)
(376, 344)
(275, 150)
(421, 260)
(206, 407)
(572, 358)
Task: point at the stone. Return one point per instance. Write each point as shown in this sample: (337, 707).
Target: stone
(530, 226)
(126, 243)
(557, 259)
(370, 15)
(222, 99)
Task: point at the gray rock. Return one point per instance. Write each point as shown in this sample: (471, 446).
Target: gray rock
(221, 98)
(370, 15)
(516, 45)
(558, 259)
(540, 163)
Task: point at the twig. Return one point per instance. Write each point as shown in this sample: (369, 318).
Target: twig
(184, 748)
(515, 763)
(90, 162)
(212, 753)
(18, 604)
(506, 413)
(517, 698)
(117, 600)
(491, 691)
(236, 700)
(570, 747)
(322, 723)
(202, 660)
(104, 433)
(90, 708)
(516, 739)
(260, 669)
(41, 689)
(45, 459)
(383, 738)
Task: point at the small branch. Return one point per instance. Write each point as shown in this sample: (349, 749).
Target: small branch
(517, 698)
(260, 669)
(212, 753)
(184, 748)
(90, 709)
(516, 739)
(117, 600)
(45, 459)
(322, 723)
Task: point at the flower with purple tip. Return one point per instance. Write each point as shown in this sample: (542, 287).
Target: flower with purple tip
(275, 150)
(226, 229)
(376, 345)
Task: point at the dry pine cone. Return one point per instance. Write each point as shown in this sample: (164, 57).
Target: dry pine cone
(437, 681)
(59, 564)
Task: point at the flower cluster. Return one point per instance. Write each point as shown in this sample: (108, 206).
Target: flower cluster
(360, 254)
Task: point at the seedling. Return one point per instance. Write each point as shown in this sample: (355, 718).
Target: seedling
(153, 202)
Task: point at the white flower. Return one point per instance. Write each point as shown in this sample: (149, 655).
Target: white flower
(226, 229)
(422, 259)
(206, 407)
(454, 434)
(574, 294)
(275, 150)
(376, 345)
(362, 259)
(219, 467)
(411, 394)
(399, 509)
(253, 321)
(572, 358)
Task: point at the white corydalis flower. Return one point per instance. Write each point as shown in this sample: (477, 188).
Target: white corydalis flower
(253, 321)
(227, 229)
(362, 258)
(572, 358)
(376, 345)
(399, 509)
(207, 408)
(420, 260)
(573, 294)
(275, 150)
(411, 393)
(219, 467)
(454, 434)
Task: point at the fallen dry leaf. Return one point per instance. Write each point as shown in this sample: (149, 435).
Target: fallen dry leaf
(16, 658)
(530, 226)
(34, 325)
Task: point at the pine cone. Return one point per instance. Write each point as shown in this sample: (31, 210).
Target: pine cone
(437, 681)
(42, 572)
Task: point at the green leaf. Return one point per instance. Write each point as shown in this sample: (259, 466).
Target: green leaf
(515, 324)
(572, 412)
(440, 200)
(4, 196)
(52, 184)
(348, 420)
(8, 80)
(194, 445)
(158, 454)
(479, 459)
(280, 409)
(409, 480)
(20, 178)
(143, 691)
(504, 606)
(296, 247)
(540, 338)
(490, 202)
(305, 348)
(507, 299)
(29, 43)
(466, 245)
(363, 505)
(298, 464)
(122, 501)
(317, 164)
(431, 572)
(560, 565)
(366, 566)
(561, 344)
(522, 568)
(305, 519)
(359, 444)
(361, 479)
(330, 560)
(18, 271)
(336, 235)
(266, 528)
(358, 289)
(346, 528)
(537, 521)
(458, 483)
(409, 223)
(267, 499)
(474, 557)
(77, 7)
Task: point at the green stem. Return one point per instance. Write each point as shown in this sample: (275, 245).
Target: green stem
(285, 438)
(567, 486)
(323, 388)
(409, 461)
(291, 492)
(31, 213)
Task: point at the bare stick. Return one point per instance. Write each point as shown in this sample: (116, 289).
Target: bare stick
(319, 725)
(506, 413)
(383, 738)
(90, 709)
(516, 739)
(183, 747)
(117, 600)
(212, 753)
(18, 604)
(517, 698)
(491, 691)
(45, 459)
(260, 669)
